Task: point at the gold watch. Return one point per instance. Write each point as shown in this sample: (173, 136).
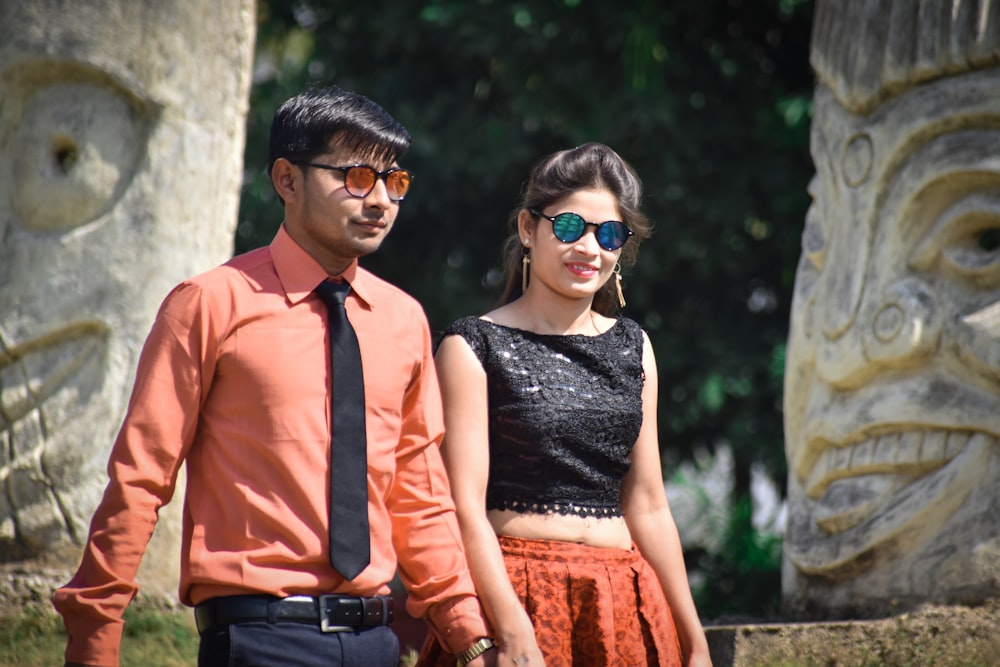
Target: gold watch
(481, 646)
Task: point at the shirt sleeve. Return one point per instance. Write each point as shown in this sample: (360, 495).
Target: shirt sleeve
(157, 431)
(425, 529)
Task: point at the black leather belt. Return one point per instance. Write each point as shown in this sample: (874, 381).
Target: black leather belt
(333, 613)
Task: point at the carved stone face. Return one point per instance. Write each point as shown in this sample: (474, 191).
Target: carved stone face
(892, 390)
(121, 139)
(73, 144)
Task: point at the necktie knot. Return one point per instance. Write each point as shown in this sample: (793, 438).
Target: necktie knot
(333, 293)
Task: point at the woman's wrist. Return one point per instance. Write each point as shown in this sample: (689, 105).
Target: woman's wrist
(514, 634)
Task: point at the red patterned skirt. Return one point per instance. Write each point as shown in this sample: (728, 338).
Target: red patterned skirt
(591, 606)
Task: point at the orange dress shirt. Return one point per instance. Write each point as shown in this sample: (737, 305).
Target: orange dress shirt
(234, 380)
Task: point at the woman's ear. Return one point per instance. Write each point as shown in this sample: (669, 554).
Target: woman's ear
(526, 226)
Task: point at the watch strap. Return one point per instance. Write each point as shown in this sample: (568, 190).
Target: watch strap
(481, 646)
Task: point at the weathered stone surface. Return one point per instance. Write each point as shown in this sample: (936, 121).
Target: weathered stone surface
(892, 386)
(931, 636)
(121, 145)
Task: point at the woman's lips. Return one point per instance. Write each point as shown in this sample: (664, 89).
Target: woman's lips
(583, 270)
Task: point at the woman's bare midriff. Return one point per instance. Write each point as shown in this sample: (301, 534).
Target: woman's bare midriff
(609, 532)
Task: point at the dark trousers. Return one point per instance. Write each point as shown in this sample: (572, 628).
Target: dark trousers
(289, 644)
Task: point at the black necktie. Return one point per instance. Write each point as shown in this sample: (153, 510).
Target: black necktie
(350, 550)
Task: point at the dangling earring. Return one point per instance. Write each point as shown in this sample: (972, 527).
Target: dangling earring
(618, 285)
(525, 267)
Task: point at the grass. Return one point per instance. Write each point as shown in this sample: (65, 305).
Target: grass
(34, 637)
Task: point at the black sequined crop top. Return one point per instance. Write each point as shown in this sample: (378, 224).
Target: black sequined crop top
(564, 413)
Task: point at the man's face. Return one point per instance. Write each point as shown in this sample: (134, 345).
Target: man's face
(892, 395)
(333, 225)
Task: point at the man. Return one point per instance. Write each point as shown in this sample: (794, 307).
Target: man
(235, 380)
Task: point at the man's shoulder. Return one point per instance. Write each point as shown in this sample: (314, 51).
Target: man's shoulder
(240, 268)
(381, 290)
(247, 263)
(220, 287)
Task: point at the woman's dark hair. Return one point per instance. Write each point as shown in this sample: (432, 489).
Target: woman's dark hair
(588, 167)
(325, 118)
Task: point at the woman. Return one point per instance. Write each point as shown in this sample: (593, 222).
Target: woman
(551, 442)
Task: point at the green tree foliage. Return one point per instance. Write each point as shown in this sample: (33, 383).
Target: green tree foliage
(743, 577)
(710, 100)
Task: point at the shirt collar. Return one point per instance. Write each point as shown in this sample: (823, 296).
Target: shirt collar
(299, 273)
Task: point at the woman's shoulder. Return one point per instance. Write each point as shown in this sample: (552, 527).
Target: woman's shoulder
(474, 331)
(628, 333)
(465, 326)
(629, 325)
(496, 321)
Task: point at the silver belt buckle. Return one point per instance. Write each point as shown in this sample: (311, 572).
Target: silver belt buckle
(324, 617)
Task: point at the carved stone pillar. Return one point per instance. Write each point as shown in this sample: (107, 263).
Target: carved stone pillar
(892, 389)
(121, 152)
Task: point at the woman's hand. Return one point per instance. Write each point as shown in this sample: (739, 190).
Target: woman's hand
(699, 658)
(514, 655)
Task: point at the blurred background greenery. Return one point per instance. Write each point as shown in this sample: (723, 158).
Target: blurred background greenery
(710, 100)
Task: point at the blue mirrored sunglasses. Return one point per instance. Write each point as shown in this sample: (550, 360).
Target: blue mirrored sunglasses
(569, 227)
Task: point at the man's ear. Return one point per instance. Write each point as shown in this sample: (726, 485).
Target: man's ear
(286, 179)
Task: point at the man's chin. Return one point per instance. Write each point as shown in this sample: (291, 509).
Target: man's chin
(368, 247)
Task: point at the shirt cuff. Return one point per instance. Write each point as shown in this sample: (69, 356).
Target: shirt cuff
(458, 623)
(90, 642)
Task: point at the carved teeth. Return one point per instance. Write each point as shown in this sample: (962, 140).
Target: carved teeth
(907, 453)
(956, 442)
(935, 443)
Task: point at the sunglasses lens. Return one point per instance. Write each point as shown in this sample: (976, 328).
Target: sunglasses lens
(398, 184)
(359, 181)
(568, 227)
(612, 234)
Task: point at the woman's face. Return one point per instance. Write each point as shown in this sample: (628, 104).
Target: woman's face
(577, 269)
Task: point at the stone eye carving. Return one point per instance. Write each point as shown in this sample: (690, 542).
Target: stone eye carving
(75, 143)
(965, 241)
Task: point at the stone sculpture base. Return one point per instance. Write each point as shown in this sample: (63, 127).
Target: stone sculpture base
(939, 636)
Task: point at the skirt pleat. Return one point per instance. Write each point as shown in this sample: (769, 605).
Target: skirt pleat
(590, 606)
